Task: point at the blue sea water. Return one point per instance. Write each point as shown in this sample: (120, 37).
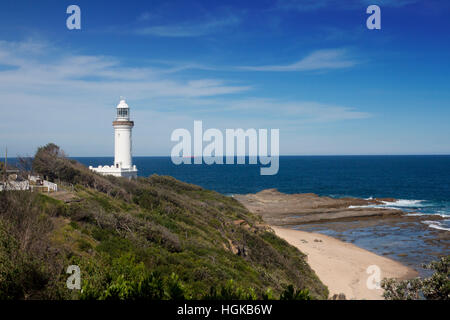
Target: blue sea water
(420, 183)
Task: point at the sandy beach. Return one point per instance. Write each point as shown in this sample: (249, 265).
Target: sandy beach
(343, 266)
(399, 243)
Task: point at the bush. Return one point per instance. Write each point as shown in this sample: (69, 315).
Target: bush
(175, 289)
(436, 287)
(291, 294)
(23, 273)
(230, 291)
(125, 278)
(84, 245)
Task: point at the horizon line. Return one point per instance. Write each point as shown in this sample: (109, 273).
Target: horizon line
(286, 155)
(282, 155)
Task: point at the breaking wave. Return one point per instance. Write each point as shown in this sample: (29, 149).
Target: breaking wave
(440, 225)
(416, 208)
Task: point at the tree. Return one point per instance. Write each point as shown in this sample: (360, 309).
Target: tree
(45, 160)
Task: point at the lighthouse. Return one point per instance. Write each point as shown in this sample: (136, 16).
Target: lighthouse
(122, 136)
(123, 161)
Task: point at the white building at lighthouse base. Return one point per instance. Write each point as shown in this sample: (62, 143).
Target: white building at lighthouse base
(116, 171)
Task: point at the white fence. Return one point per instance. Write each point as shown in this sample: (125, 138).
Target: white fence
(33, 178)
(15, 185)
(50, 185)
(25, 185)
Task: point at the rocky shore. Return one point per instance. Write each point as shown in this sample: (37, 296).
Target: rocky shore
(282, 209)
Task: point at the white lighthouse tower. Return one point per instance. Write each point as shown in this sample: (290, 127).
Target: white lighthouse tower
(123, 162)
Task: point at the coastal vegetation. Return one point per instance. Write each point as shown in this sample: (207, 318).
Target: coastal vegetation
(149, 238)
(435, 287)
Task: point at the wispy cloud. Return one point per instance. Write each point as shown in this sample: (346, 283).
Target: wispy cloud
(146, 16)
(50, 92)
(292, 112)
(318, 60)
(97, 73)
(190, 29)
(52, 95)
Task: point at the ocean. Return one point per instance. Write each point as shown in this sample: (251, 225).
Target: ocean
(420, 183)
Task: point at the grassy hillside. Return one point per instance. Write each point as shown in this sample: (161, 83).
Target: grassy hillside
(150, 238)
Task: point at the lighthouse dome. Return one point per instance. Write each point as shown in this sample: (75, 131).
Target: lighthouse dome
(122, 104)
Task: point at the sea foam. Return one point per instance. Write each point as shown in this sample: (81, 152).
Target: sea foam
(436, 225)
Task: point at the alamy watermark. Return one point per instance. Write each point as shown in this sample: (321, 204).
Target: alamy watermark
(74, 280)
(234, 147)
(373, 22)
(74, 20)
(374, 280)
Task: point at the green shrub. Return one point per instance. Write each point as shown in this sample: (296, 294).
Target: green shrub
(230, 291)
(292, 294)
(436, 287)
(84, 245)
(175, 289)
(74, 225)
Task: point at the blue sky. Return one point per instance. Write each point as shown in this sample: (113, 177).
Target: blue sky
(310, 68)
